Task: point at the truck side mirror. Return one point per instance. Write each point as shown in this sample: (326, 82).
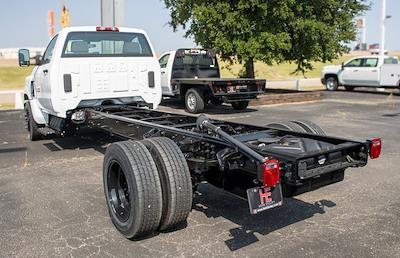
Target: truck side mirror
(343, 66)
(24, 57)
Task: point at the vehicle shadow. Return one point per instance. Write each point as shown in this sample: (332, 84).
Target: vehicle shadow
(387, 92)
(215, 203)
(224, 109)
(86, 138)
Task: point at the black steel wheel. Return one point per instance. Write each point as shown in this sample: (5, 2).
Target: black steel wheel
(194, 101)
(31, 125)
(288, 126)
(240, 105)
(118, 191)
(132, 188)
(175, 179)
(310, 127)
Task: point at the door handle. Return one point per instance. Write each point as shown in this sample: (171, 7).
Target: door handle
(163, 72)
(45, 71)
(374, 71)
(355, 70)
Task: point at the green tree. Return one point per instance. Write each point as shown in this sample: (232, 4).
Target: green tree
(299, 31)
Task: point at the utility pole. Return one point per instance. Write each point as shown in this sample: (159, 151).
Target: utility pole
(383, 19)
(112, 12)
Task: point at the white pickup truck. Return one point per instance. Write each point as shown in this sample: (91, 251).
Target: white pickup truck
(89, 67)
(363, 71)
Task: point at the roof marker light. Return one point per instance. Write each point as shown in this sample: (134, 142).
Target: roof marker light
(102, 28)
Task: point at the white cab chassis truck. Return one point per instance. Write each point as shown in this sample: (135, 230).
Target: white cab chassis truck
(363, 71)
(109, 79)
(89, 67)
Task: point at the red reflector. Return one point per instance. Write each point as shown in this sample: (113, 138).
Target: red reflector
(101, 28)
(271, 173)
(375, 147)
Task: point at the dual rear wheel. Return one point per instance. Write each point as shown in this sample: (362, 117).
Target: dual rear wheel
(147, 186)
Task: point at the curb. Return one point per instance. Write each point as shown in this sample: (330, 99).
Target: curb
(271, 98)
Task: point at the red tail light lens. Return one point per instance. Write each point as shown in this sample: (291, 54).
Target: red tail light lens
(375, 147)
(101, 28)
(271, 173)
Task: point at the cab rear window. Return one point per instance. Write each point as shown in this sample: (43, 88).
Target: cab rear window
(195, 57)
(106, 44)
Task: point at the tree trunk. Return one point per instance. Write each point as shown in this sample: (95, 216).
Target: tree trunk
(249, 68)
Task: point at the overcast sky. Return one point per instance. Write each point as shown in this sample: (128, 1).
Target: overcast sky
(24, 22)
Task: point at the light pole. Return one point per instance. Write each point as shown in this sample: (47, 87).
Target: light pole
(384, 17)
(112, 12)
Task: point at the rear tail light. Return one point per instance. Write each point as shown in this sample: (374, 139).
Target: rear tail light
(271, 174)
(101, 28)
(375, 147)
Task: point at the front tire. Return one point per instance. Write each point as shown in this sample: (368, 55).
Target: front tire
(194, 101)
(331, 84)
(132, 188)
(31, 125)
(240, 105)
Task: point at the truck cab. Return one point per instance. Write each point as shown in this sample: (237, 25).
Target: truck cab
(193, 75)
(91, 66)
(363, 71)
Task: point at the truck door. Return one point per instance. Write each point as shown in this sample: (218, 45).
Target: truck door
(42, 77)
(350, 73)
(165, 75)
(368, 74)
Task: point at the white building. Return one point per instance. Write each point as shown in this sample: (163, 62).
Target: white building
(12, 53)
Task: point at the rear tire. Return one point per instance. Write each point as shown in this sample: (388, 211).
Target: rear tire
(194, 101)
(175, 179)
(310, 127)
(331, 84)
(31, 125)
(240, 105)
(288, 126)
(132, 188)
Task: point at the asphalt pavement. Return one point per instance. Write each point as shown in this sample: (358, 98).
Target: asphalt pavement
(52, 202)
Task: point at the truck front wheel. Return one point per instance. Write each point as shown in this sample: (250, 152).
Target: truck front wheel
(331, 83)
(31, 125)
(194, 101)
(240, 105)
